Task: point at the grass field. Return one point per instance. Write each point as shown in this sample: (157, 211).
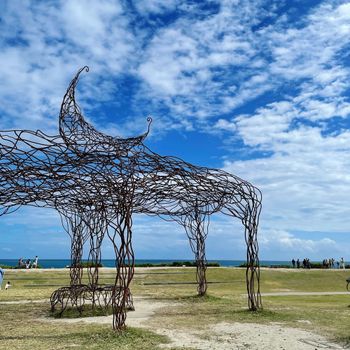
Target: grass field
(23, 327)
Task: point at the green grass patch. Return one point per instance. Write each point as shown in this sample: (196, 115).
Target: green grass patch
(30, 332)
(24, 327)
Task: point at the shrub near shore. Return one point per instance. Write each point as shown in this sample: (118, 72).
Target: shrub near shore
(18, 267)
(178, 264)
(172, 264)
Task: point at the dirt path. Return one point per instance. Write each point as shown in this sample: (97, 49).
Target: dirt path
(37, 301)
(144, 310)
(243, 336)
(279, 294)
(222, 336)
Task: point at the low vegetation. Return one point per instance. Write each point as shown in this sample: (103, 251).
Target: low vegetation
(177, 264)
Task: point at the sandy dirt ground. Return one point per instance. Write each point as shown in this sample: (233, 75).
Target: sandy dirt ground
(144, 310)
(279, 294)
(239, 336)
(221, 336)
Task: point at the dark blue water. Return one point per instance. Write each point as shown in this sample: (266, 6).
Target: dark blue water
(59, 263)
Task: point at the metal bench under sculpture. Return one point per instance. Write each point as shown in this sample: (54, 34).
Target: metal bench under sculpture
(81, 296)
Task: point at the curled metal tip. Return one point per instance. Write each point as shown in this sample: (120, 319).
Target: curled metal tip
(149, 120)
(75, 80)
(86, 68)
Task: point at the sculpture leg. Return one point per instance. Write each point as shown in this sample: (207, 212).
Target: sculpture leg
(76, 270)
(97, 227)
(94, 259)
(197, 229)
(253, 268)
(71, 296)
(74, 226)
(201, 263)
(125, 263)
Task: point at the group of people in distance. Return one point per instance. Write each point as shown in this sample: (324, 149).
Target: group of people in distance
(22, 263)
(306, 263)
(8, 284)
(326, 263)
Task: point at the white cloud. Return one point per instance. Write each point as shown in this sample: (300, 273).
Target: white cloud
(43, 44)
(305, 182)
(303, 52)
(202, 73)
(267, 126)
(7, 250)
(146, 7)
(196, 70)
(285, 246)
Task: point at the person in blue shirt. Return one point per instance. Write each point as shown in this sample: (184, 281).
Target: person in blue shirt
(2, 272)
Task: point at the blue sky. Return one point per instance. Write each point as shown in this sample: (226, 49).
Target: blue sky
(258, 88)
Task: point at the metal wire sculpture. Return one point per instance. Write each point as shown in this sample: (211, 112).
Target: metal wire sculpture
(96, 182)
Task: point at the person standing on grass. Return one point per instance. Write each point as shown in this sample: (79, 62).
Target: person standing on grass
(28, 264)
(35, 263)
(342, 263)
(2, 272)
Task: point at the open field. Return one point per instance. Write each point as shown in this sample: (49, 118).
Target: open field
(176, 318)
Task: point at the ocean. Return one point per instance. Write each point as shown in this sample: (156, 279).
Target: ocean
(59, 263)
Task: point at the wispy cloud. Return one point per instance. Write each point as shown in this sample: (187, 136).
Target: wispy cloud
(151, 7)
(42, 46)
(284, 244)
(305, 181)
(195, 65)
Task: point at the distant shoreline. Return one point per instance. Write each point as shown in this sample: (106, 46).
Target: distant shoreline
(63, 263)
(155, 268)
(158, 263)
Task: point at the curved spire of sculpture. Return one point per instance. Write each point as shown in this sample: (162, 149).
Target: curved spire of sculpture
(82, 137)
